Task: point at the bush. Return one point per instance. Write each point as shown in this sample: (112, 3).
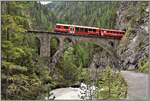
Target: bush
(111, 85)
(143, 66)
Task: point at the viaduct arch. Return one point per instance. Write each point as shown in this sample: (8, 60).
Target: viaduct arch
(108, 44)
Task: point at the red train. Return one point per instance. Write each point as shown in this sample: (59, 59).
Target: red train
(85, 30)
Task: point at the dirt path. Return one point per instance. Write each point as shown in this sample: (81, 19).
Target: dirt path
(137, 84)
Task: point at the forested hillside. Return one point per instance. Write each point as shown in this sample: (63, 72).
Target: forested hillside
(100, 14)
(26, 75)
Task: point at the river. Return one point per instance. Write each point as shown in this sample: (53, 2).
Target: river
(71, 93)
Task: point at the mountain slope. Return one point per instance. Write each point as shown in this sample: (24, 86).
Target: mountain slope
(100, 14)
(133, 48)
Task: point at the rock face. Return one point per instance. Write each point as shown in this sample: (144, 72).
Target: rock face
(101, 60)
(133, 48)
(132, 17)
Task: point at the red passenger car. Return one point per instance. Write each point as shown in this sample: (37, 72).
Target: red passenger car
(75, 29)
(85, 30)
(112, 33)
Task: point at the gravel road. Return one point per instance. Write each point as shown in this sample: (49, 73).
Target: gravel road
(137, 84)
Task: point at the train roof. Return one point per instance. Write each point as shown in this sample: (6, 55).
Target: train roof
(78, 26)
(91, 27)
(112, 30)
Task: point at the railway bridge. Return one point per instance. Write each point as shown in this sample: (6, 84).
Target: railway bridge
(108, 44)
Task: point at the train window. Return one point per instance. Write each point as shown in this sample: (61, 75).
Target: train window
(81, 29)
(90, 29)
(86, 30)
(66, 27)
(94, 30)
(77, 29)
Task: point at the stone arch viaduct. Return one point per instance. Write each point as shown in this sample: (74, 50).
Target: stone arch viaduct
(108, 44)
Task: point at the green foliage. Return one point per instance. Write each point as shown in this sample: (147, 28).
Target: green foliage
(84, 75)
(144, 68)
(54, 44)
(69, 70)
(83, 52)
(143, 65)
(73, 64)
(24, 75)
(111, 85)
(100, 14)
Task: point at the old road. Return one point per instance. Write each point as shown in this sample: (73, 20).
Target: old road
(137, 84)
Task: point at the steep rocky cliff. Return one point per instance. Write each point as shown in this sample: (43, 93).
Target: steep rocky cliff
(134, 46)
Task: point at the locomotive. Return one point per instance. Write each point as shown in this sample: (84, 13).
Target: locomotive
(86, 30)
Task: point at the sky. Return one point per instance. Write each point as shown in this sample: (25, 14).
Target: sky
(45, 2)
